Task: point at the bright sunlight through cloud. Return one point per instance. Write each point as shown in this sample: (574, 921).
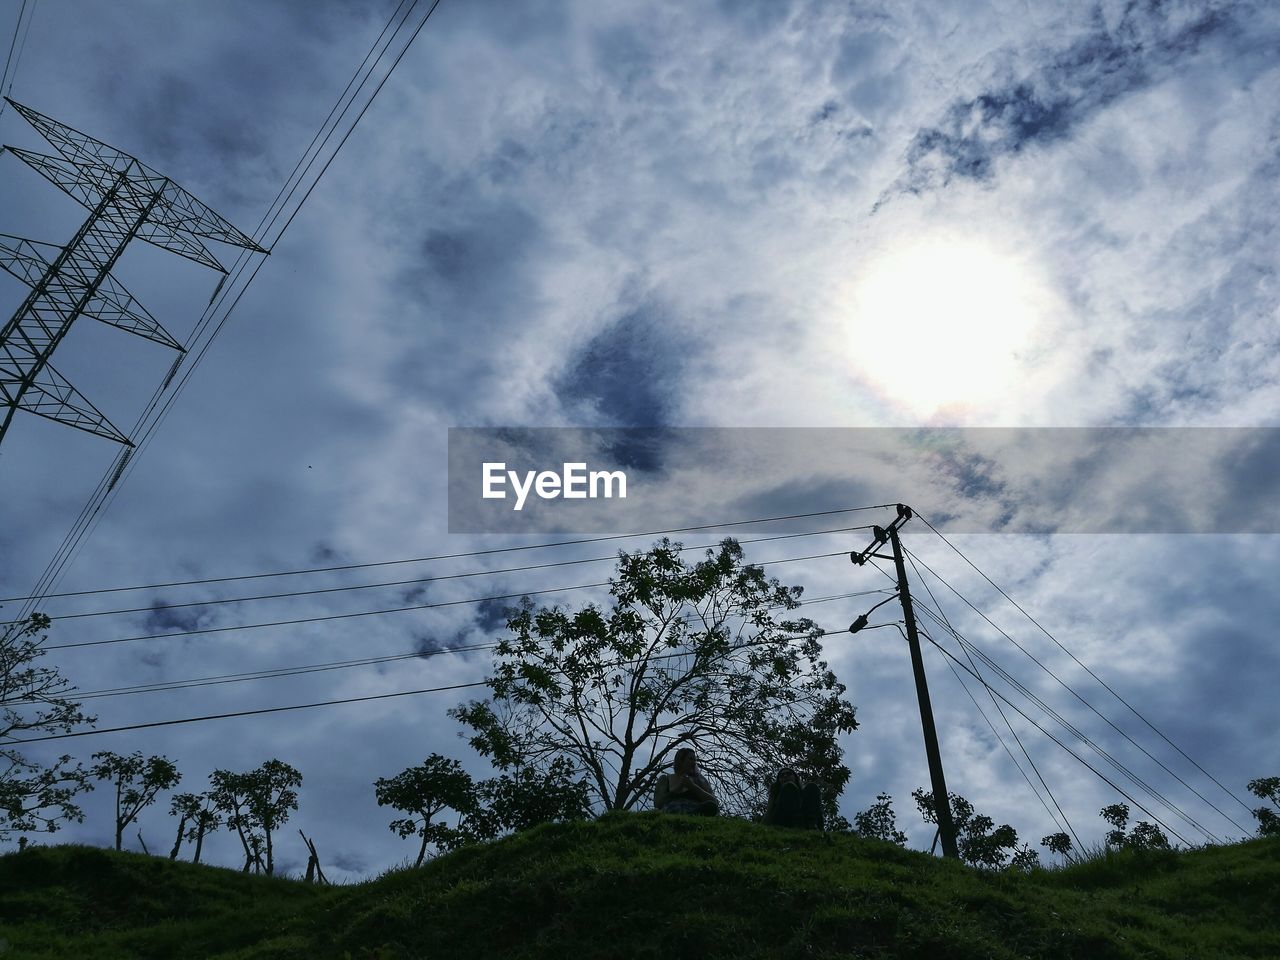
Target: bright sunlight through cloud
(944, 325)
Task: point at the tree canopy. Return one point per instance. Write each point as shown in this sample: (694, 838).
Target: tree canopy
(35, 699)
(682, 655)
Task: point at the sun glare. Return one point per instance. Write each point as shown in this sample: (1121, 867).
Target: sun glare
(940, 327)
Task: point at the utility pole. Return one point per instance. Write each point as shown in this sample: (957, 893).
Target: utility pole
(126, 200)
(941, 799)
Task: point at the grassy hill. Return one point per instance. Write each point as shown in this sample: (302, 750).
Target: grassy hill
(647, 885)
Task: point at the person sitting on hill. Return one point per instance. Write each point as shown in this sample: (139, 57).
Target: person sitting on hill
(793, 804)
(685, 790)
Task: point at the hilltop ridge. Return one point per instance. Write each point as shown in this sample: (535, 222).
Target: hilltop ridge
(649, 885)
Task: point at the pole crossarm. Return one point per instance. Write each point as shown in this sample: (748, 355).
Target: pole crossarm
(127, 200)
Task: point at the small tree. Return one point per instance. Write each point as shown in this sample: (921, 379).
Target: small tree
(1143, 836)
(1059, 843)
(878, 822)
(425, 792)
(682, 655)
(138, 782)
(35, 699)
(273, 794)
(517, 801)
(256, 804)
(197, 816)
(1267, 788)
(979, 841)
(230, 795)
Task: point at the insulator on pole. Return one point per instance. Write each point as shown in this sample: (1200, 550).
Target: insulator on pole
(120, 465)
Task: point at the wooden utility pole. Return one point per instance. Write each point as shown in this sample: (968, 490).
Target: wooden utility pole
(941, 799)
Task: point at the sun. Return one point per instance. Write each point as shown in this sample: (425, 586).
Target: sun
(943, 325)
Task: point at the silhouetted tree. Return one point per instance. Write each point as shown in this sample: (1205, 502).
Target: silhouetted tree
(879, 822)
(256, 804)
(524, 798)
(1059, 843)
(35, 699)
(138, 781)
(197, 816)
(425, 792)
(1143, 836)
(1267, 788)
(682, 655)
(230, 792)
(979, 841)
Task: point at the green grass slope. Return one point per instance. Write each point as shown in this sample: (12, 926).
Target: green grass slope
(647, 885)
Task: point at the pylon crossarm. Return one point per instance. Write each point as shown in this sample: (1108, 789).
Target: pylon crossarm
(24, 259)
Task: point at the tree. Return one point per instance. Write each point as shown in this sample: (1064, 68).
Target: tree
(230, 792)
(1143, 836)
(525, 798)
(1267, 788)
(878, 822)
(681, 655)
(138, 782)
(424, 792)
(979, 841)
(256, 804)
(197, 816)
(1059, 843)
(34, 700)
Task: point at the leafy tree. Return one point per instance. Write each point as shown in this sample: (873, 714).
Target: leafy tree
(1024, 859)
(256, 804)
(35, 699)
(1059, 843)
(522, 799)
(483, 810)
(197, 816)
(273, 794)
(229, 792)
(978, 840)
(1267, 788)
(138, 781)
(1143, 836)
(878, 821)
(681, 655)
(425, 792)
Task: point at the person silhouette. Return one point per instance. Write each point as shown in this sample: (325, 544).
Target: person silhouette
(685, 789)
(793, 803)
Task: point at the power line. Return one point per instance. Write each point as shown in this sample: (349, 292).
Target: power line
(370, 613)
(1086, 668)
(1083, 761)
(453, 556)
(6, 79)
(319, 703)
(1075, 731)
(1021, 746)
(301, 669)
(156, 608)
(1163, 766)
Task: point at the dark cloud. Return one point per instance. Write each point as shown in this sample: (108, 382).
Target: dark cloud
(162, 619)
(1069, 87)
(627, 375)
(491, 615)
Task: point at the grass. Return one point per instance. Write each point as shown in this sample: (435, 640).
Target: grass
(648, 885)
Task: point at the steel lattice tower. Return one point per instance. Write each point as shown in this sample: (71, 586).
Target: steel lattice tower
(126, 199)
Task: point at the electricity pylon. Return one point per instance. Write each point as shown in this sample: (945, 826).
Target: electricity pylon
(126, 199)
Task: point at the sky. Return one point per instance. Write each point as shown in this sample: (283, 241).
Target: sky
(679, 215)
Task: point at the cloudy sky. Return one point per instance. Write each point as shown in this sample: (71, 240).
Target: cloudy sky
(736, 214)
